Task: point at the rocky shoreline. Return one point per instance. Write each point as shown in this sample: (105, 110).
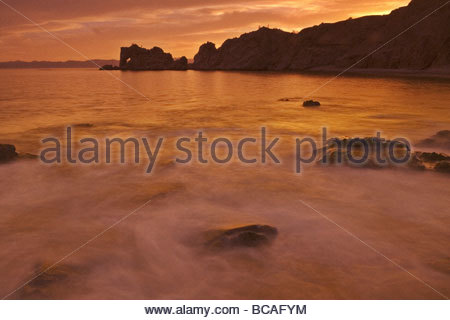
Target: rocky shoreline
(336, 152)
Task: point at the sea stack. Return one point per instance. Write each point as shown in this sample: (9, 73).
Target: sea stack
(135, 57)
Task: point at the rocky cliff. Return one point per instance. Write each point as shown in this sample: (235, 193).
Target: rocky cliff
(138, 58)
(341, 44)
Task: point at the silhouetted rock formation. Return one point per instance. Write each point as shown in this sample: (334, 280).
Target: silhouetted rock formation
(138, 58)
(341, 44)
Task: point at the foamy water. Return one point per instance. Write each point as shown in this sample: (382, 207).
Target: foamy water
(157, 253)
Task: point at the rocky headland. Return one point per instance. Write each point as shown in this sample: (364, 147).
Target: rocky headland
(339, 45)
(401, 45)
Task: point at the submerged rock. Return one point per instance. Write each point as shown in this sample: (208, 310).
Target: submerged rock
(336, 152)
(7, 153)
(311, 103)
(248, 236)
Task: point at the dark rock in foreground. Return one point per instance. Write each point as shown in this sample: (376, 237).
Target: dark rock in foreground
(311, 103)
(336, 153)
(8, 153)
(439, 162)
(138, 58)
(249, 236)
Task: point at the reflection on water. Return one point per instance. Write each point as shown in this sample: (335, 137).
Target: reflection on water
(48, 211)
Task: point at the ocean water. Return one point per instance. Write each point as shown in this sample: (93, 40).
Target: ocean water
(47, 211)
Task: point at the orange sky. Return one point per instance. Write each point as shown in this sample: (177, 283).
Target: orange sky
(98, 28)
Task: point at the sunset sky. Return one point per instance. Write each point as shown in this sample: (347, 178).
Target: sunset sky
(98, 28)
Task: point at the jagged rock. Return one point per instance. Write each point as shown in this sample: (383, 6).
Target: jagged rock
(328, 46)
(339, 45)
(432, 157)
(332, 154)
(206, 58)
(311, 103)
(138, 58)
(7, 153)
(439, 162)
(265, 49)
(247, 236)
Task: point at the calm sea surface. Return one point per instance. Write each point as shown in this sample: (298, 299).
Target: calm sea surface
(157, 253)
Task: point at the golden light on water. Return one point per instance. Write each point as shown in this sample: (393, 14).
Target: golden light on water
(164, 251)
